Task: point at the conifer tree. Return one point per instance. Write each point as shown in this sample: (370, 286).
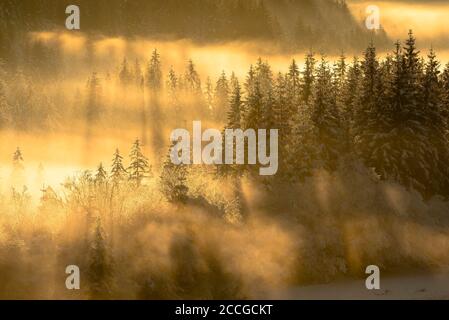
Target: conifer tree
(125, 73)
(445, 92)
(210, 97)
(366, 114)
(101, 175)
(172, 86)
(235, 110)
(100, 267)
(293, 84)
(254, 108)
(221, 97)
(94, 94)
(350, 94)
(118, 172)
(173, 181)
(137, 76)
(154, 72)
(139, 167)
(326, 119)
(432, 101)
(192, 80)
(308, 78)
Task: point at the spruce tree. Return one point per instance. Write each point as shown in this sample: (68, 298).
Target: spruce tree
(438, 149)
(94, 95)
(173, 181)
(235, 110)
(154, 72)
(192, 80)
(125, 73)
(308, 78)
(325, 118)
(100, 267)
(221, 97)
(210, 98)
(101, 175)
(293, 84)
(118, 172)
(139, 167)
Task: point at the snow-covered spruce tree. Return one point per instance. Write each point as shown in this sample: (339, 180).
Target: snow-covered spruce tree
(139, 168)
(339, 75)
(293, 83)
(118, 171)
(308, 78)
(400, 150)
(433, 103)
(173, 181)
(368, 116)
(234, 121)
(445, 92)
(326, 119)
(348, 97)
(254, 115)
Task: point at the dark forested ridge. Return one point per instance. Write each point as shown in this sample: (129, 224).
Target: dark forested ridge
(294, 24)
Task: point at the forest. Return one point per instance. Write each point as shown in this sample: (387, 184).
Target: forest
(362, 178)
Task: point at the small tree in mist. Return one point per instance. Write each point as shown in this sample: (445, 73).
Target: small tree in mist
(100, 266)
(118, 172)
(93, 98)
(192, 80)
(125, 75)
(173, 181)
(154, 72)
(101, 175)
(221, 97)
(139, 167)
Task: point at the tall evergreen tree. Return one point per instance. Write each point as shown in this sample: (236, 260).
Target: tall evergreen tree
(138, 167)
(192, 80)
(154, 72)
(100, 267)
(433, 103)
(235, 110)
(325, 118)
(221, 97)
(308, 78)
(293, 84)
